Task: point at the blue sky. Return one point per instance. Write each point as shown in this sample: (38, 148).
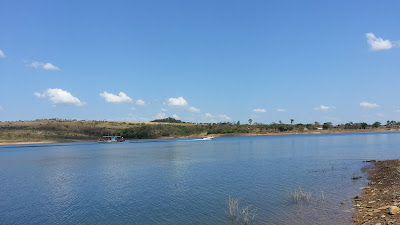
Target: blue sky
(200, 61)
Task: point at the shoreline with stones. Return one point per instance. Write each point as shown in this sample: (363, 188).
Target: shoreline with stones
(380, 201)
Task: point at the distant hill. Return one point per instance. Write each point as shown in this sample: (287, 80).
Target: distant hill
(167, 120)
(58, 130)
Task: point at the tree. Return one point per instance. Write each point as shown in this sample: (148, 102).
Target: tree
(250, 121)
(280, 121)
(291, 121)
(238, 123)
(326, 126)
(167, 120)
(364, 125)
(316, 123)
(376, 124)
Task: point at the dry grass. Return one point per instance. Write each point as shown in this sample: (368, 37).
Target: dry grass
(56, 130)
(236, 215)
(298, 195)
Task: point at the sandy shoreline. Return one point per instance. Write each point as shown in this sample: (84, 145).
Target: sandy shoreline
(380, 201)
(22, 142)
(42, 142)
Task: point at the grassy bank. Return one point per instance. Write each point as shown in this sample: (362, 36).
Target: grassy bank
(55, 130)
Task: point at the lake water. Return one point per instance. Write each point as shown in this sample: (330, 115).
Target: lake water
(187, 181)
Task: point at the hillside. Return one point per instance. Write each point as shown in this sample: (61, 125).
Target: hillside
(56, 130)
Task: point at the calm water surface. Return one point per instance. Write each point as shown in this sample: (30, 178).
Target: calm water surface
(186, 181)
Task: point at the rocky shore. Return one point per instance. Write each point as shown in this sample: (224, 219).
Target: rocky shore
(379, 202)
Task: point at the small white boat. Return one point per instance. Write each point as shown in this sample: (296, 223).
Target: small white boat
(207, 138)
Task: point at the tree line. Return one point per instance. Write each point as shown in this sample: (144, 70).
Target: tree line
(56, 129)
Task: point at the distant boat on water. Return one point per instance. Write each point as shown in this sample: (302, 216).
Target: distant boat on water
(109, 139)
(207, 138)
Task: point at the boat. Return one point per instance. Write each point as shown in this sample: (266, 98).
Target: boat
(207, 138)
(109, 139)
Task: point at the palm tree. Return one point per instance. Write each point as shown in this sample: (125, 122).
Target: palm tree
(291, 121)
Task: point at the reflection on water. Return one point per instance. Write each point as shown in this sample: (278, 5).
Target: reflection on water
(187, 181)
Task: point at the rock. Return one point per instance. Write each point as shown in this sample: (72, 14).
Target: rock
(384, 207)
(393, 210)
(373, 160)
(371, 202)
(343, 203)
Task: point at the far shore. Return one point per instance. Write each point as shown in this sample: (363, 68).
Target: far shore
(60, 140)
(2, 142)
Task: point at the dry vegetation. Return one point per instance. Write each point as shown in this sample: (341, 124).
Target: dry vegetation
(237, 215)
(57, 130)
(298, 195)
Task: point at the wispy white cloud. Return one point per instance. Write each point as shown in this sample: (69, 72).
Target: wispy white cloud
(59, 97)
(224, 117)
(49, 66)
(177, 102)
(160, 116)
(369, 105)
(36, 65)
(208, 115)
(324, 108)
(116, 99)
(43, 66)
(140, 102)
(1, 108)
(175, 117)
(129, 118)
(380, 115)
(281, 110)
(193, 109)
(164, 110)
(2, 55)
(259, 110)
(38, 95)
(377, 44)
(397, 110)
